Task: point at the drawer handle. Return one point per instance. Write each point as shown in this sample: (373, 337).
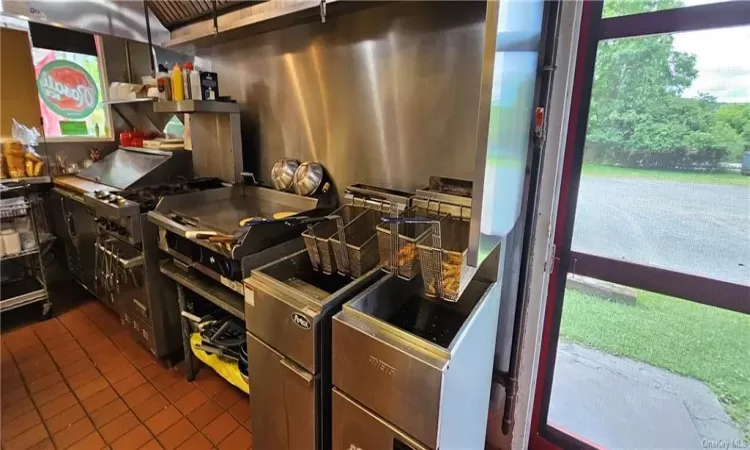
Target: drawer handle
(125, 263)
(141, 306)
(300, 372)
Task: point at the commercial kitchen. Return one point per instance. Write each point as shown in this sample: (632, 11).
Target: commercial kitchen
(281, 224)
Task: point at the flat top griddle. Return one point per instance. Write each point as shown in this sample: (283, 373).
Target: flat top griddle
(225, 215)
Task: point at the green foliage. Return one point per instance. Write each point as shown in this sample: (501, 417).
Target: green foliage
(638, 117)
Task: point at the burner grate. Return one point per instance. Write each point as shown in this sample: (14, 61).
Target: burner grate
(149, 196)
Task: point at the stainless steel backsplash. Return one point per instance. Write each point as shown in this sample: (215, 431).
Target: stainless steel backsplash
(387, 95)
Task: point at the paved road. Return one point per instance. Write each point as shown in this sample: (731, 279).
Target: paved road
(695, 228)
(621, 403)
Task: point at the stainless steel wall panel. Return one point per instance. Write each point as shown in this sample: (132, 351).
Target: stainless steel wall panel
(386, 96)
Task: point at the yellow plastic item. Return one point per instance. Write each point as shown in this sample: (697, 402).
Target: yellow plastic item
(178, 91)
(226, 369)
(283, 214)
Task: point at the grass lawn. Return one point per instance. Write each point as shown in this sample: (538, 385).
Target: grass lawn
(709, 344)
(730, 178)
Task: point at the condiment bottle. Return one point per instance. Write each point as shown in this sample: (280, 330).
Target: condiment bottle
(186, 71)
(163, 83)
(196, 92)
(178, 93)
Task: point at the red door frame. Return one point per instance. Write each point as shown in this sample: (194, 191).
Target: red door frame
(593, 28)
(584, 63)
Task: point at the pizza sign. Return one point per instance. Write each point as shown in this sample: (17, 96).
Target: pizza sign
(67, 89)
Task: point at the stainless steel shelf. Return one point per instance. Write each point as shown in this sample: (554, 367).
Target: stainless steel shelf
(27, 180)
(132, 100)
(22, 292)
(20, 254)
(154, 151)
(224, 298)
(196, 106)
(32, 251)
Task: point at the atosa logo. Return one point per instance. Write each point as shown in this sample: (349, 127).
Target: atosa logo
(67, 89)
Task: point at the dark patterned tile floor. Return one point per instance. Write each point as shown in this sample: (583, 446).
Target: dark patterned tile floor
(78, 380)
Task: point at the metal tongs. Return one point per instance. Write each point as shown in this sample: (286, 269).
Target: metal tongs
(290, 221)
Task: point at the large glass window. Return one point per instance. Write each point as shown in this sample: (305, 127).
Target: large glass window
(70, 78)
(662, 181)
(70, 94)
(665, 183)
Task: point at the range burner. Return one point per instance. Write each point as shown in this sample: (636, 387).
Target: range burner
(147, 197)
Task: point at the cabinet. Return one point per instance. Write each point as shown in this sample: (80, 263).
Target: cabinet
(285, 392)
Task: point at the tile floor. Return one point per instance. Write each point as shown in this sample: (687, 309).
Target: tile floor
(80, 381)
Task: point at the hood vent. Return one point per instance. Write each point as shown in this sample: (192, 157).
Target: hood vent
(174, 14)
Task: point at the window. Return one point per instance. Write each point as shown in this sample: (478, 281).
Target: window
(668, 126)
(70, 78)
(654, 268)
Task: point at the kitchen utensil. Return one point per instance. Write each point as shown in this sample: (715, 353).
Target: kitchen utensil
(283, 214)
(308, 178)
(282, 173)
(294, 220)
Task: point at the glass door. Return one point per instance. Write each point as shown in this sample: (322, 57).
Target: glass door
(648, 317)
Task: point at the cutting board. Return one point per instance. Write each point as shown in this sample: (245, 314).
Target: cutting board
(79, 185)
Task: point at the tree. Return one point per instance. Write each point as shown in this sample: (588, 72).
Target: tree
(737, 116)
(638, 117)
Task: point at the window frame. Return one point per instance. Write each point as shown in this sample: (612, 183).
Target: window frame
(104, 82)
(687, 287)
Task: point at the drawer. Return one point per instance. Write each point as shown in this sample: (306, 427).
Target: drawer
(142, 331)
(356, 427)
(138, 307)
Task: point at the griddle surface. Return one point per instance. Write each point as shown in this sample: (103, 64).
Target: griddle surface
(225, 215)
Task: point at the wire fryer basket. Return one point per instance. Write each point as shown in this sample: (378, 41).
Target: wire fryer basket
(444, 269)
(317, 237)
(361, 245)
(406, 258)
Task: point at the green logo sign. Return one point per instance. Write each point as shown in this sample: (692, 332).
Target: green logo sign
(67, 89)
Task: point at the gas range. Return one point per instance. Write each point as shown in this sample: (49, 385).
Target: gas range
(118, 213)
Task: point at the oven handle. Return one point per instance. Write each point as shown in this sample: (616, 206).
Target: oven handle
(141, 306)
(306, 376)
(68, 219)
(125, 263)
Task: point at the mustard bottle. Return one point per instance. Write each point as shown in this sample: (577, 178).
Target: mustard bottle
(178, 92)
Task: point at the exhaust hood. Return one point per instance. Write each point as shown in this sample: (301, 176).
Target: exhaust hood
(121, 18)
